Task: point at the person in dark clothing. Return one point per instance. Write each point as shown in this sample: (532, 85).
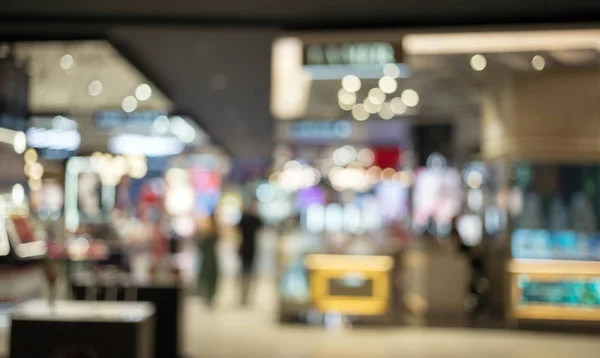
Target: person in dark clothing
(477, 272)
(209, 271)
(249, 226)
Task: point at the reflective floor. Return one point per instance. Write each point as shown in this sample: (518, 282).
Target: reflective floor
(230, 331)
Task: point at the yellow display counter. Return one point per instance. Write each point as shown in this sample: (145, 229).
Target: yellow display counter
(351, 284)
(554, 290)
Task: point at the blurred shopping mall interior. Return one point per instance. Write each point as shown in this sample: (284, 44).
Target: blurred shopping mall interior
(270, 178)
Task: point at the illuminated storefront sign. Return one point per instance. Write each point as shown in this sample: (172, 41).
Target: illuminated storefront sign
(372, 53)
(322, 130)
(53, 139)
(145, 145)
(54, 143)
(380, 133)
(119, 119)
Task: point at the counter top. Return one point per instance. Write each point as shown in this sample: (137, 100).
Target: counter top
(82, 311)
(517, 266)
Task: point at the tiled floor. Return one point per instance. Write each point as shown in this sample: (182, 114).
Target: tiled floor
(229, 331)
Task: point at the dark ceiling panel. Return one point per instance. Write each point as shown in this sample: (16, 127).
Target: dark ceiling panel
(310, 13)
(219, 77)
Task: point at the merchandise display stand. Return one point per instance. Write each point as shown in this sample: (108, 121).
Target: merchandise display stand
(101, 329)
(353, 285)
(573, 284)
(167, 300)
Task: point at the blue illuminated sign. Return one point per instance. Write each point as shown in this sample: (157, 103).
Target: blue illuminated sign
(321, 130)
(119, 119)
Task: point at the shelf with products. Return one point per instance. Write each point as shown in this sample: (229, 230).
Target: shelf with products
(554, 273)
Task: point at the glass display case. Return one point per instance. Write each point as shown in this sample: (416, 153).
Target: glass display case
(555, 242)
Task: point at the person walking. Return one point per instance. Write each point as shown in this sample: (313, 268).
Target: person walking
(208, 277)
(248, 226)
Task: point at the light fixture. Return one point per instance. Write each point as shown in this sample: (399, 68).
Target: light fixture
(410, 97)
(143, 92)
(19, 142)
(30, 156)
(265, 193)
(360, 113)
(34, 184)
(388, 84)
(474, 179)
(182, 130)
(66, 61)
(95, 88)
(346, 98)
(344, 155)
(538, 62)
(161, 124)
(397, 105)
(371, 107)
(344, 106)
(150, 146)
(478, 62)
(351, 83)
(386, 112)
(18, 195)
(138, 168)
(129, 104)
(366, 157)
(36, 171)
(376, 96)
(391, 70)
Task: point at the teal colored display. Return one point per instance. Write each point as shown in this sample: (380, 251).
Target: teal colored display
(567, 293)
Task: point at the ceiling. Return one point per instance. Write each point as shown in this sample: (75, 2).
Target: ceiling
(309, 13)
(56, 90)
(221, 78)
(449, 88)
(212, 59)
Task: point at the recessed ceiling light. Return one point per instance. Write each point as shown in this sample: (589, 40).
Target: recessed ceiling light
(66, 61)
(397, 105)
(143, 92)
(410, 97)
(370, 106)
(346, 97)
(386, 111)
(478, 62)
(376, 95)
(388, 84)
(351, 83)
(538, 62)
(360, 113)
(129, 104)
(95, 88)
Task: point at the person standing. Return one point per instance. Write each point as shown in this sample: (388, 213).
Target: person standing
(208, 277)
(248, 226)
